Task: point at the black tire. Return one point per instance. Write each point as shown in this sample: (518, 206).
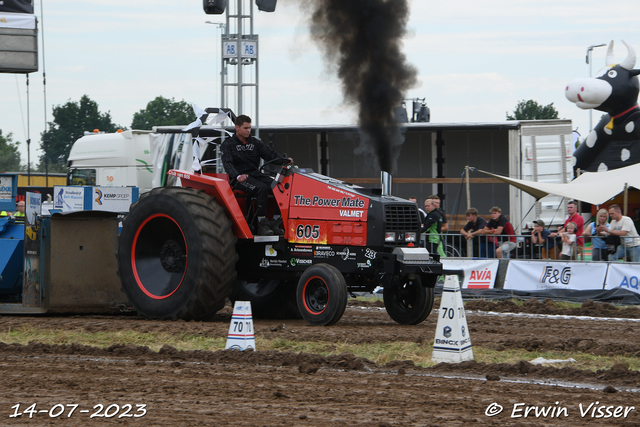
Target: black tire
(407, 301)
(322, 295)
(270, 299)
(176, 255)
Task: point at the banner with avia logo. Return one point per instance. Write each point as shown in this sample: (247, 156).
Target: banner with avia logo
(541, 275)
(473, 274)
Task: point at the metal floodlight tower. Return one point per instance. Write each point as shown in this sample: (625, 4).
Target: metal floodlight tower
(240, 49)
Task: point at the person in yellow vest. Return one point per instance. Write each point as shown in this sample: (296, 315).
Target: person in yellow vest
(3, 214)
(19, 214)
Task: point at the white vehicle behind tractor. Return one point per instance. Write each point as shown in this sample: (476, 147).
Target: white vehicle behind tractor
(112, 159)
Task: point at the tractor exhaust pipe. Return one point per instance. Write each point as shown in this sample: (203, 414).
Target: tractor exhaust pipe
(386, 180)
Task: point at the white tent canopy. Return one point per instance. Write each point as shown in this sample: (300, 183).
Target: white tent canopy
(591, 187)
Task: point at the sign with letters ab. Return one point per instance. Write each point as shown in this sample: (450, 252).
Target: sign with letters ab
(248, 49)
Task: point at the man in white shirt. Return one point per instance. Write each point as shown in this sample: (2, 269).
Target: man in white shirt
(622, 226)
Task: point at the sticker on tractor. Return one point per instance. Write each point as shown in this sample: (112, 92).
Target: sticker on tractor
(307, 232)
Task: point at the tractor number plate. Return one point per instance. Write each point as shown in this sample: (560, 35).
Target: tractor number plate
(307, 232)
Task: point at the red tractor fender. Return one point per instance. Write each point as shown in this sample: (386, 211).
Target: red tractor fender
(219, 189)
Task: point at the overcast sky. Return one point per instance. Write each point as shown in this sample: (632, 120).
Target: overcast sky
(475, 59)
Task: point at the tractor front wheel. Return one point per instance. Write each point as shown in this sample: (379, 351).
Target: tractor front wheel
(407, 301)
(322, 295)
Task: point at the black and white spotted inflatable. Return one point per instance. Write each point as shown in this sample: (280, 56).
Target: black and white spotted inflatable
(615, 140)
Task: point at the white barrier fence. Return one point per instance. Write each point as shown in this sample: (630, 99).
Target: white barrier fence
(543, 275)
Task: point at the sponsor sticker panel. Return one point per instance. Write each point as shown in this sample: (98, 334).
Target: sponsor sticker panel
(68, 199)
(539, 276)
(303, 255)
(6, 188)
(473, 274)
(113, 199)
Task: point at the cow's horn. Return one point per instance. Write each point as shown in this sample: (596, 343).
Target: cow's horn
(630, 60)
(610, 58)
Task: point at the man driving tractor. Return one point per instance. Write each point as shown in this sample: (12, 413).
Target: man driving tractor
(241, 156)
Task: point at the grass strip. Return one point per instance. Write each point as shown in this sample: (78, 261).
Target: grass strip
(380, 353)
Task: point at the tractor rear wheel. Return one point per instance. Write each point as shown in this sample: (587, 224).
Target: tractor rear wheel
(322, 295)
(407, 301)
(176, 255)
(270, 299)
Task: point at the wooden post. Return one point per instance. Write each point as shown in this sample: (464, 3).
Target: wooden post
(626, 198)
(469, 242)
(466, 174)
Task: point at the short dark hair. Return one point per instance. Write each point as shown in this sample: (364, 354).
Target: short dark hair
(615, 207)
(573, 202)
(433, 197)
(472, 211)
(242, 119)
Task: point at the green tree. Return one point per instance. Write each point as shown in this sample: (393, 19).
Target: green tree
(9, 154)
(163, 112)
(70, 121)
(531, 110)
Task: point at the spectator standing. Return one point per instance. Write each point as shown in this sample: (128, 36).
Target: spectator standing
(499, 225)
(599, 250)
(473, 229)
(436, 202)
(568, 241)
(572, 210)
(542, 242)
(433, 226)
(622, 226)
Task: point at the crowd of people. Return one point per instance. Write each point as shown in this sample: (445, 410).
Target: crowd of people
(613, 235)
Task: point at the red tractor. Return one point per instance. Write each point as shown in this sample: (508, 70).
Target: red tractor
(184, 250)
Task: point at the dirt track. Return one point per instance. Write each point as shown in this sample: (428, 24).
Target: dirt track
(270, 388)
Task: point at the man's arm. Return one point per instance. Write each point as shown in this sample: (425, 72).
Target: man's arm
(535, 237)
(227, 159)
(625, 228)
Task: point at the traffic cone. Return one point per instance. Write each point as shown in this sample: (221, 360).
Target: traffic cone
(453, 341)
(241, 328)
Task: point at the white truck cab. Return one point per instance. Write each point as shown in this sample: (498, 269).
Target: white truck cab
(115, 159)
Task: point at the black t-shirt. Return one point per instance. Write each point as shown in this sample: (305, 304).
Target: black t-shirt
(480, 224)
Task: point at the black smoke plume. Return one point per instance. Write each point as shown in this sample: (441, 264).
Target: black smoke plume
(363, 38)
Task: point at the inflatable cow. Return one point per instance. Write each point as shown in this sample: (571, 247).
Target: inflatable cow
(615, 141)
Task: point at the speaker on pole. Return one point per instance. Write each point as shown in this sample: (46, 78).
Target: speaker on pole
(266, 5)
(214, 7)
